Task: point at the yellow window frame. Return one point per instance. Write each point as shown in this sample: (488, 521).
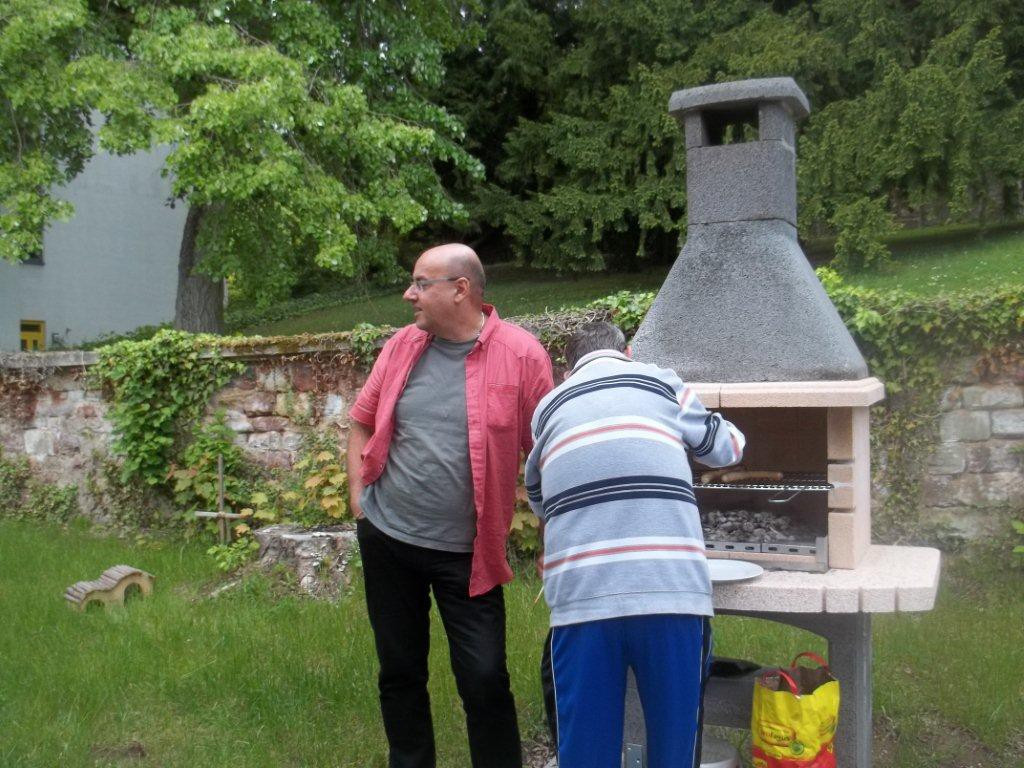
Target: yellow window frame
(33, 336)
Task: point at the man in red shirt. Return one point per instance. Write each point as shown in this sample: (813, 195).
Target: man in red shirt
(433, 457)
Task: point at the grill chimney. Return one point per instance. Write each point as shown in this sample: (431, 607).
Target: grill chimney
(742, 303)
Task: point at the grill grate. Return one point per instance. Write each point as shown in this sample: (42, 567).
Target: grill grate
(797, 483)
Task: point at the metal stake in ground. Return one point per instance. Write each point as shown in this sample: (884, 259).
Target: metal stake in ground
(220, 515)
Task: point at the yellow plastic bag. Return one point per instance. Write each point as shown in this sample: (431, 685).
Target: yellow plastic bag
(794, 717)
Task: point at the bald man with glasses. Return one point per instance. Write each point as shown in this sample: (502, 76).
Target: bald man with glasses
(434, 445)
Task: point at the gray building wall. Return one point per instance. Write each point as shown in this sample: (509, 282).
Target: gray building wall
(111, 268)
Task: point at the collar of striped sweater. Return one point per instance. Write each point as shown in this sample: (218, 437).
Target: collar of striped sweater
(597, 354)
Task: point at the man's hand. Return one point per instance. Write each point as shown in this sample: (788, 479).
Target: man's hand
(353, 504)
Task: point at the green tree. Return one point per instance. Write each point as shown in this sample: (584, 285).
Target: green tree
(931, 135)
(492, 83)
(38, 98)
(916, 116)
(302, 133)
(594, 175)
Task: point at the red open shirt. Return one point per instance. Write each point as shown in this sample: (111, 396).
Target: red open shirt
(507, 373)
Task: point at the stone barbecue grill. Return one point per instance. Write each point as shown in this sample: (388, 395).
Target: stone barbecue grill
(744, 320)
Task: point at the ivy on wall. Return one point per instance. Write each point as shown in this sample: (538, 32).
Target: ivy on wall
(155, 386)
(159, 389)
(907, 341)
(906, 338)
(366, 340)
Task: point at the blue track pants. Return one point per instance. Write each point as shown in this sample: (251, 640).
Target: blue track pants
(670, 655)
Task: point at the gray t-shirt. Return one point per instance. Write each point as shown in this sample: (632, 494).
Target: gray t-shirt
(425, 494)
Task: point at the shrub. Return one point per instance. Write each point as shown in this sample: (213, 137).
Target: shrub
(23, 497)
(232, 556)
(627, 309)
(196, 481)
(51, 503)
(14, 476)
(129, 505)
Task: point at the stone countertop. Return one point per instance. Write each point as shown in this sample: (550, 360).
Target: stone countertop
(888, 579)
(790, 394)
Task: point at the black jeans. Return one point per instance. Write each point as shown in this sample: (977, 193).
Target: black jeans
(399, 578)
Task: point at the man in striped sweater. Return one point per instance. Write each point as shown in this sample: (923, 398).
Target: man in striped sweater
(624, 568)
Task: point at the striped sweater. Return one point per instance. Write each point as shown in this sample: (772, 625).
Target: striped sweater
(609, 477)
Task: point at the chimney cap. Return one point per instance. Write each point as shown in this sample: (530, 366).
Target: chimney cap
(741, 92)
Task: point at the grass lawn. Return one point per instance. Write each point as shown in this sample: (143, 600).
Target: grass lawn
(923, 263)
(254, 678)
(249, 678)
(996, 261)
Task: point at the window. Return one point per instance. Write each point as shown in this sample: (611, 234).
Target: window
(33, 336)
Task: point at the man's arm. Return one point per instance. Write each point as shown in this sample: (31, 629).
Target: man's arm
(358, 435)
(362, 419)
(537, 381)
(712, 440)
(532, 481)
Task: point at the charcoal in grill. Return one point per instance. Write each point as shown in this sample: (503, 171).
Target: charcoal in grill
(760, 526)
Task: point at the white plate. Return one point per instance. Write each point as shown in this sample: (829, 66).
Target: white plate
(733, 570)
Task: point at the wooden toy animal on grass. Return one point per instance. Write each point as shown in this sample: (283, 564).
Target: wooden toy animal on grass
(110, 587)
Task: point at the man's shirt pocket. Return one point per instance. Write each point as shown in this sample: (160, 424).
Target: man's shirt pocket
(502, 407)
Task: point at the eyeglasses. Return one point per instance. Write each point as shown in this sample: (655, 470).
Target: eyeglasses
(421, 284)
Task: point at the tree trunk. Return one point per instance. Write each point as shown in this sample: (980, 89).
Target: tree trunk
(199, 304)
(318, 557)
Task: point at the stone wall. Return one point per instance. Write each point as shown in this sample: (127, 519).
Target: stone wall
(978, 465)
(270, 405)
(61, 425)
